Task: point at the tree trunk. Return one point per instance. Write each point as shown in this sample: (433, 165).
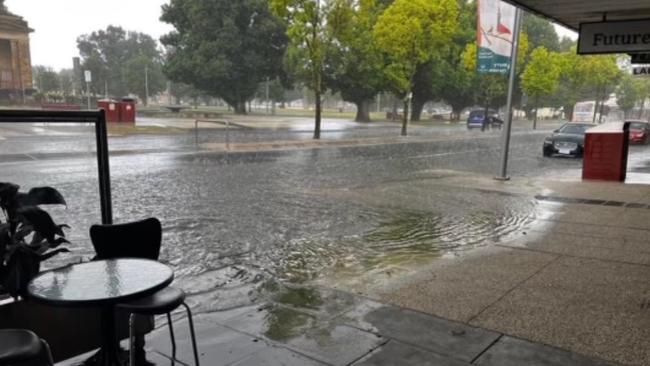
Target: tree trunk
(418, 106)
(535, 118)
(363, 111)
(641, 108)
(455, 114)
(486, 114)
(317, 94)
(568, 112)
(405, 118)
(240, 107)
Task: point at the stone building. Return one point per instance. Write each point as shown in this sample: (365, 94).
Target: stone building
(15, 58)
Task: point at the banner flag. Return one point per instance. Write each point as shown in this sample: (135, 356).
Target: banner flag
(496, 28)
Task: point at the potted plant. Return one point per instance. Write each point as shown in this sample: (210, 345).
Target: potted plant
(28, 235)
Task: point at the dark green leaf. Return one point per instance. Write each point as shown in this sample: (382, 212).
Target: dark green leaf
(41, 196)
(41, 221)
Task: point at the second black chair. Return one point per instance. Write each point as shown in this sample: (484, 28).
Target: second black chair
(141, 239)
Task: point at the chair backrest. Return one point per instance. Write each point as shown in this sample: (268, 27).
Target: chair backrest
(140, 239)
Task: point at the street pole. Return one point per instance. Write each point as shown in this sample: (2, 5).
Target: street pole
(505, 150)
(267, 95)
(146, 84)
(88, 93)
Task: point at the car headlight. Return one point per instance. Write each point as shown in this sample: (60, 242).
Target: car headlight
(548, 142)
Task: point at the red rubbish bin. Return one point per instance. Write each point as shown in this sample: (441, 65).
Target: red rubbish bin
(112, 109)
(127, 110)
(606, 152)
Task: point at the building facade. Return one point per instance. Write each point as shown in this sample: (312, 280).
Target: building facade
(15, 59)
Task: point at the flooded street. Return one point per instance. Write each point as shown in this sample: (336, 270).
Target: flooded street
(235, 222)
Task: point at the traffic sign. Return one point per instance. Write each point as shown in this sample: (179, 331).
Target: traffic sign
(88, 75)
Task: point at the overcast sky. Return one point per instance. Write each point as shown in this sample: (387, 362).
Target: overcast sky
(58, 23)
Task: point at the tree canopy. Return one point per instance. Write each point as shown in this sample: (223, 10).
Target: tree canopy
(117, 57)
(223, 47)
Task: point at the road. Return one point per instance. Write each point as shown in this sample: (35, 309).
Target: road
(232, 220)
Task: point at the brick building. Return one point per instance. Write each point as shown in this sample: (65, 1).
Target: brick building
(15, 58)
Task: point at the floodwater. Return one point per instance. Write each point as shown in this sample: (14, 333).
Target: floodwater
(236, 224)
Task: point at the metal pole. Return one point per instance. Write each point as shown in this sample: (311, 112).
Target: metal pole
(146, 84)
(505, 152)
(267, 95)
(88, 93)
(104, 169)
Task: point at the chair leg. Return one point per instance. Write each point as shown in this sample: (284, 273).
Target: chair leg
(171, 333)
(191, 321)
(48, 353)
(132, 340)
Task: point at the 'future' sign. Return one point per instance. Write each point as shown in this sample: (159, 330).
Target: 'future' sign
(614, 37)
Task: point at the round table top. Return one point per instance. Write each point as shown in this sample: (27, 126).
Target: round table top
(103, 282)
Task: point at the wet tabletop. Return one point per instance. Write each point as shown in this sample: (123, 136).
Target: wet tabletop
(100, 282)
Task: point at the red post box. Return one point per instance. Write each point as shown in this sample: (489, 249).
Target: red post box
(606, 152)
(127, 110)
(112, 109)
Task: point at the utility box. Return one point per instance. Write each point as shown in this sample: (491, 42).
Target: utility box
(112, 109)
(127, 110)
(606, 152)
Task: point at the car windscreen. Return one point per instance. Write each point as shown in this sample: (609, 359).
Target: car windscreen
(476, 114)
(638, 126)
(575, 129)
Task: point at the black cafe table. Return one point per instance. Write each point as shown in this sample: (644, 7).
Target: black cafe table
(101, 284)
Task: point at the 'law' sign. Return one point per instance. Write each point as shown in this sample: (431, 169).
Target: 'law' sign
(641, 71)
(614, 37)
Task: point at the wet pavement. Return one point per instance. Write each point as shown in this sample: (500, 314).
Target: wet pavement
(240, 227)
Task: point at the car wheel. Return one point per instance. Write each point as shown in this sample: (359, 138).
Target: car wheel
(546, 153)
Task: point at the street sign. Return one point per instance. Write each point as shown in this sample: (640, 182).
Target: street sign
(88, 75)
(640, 58)
(641, 71)
(614, 37)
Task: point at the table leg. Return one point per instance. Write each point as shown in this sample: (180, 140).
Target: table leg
(109, 355)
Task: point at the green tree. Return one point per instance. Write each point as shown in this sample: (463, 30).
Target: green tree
(627, 94)
(223, 47)
(144, 77)
(573, 81)
(455, 85)
(541, 77)
(567, 44)
(410, 33)
(310, 35)
(602, 74)
(46, 79)
(356, 69)
(109, 54)
(541, 32)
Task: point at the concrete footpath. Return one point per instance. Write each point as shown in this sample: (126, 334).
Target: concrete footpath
(572, 289)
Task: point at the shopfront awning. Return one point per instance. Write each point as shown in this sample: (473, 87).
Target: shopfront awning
(571, 13)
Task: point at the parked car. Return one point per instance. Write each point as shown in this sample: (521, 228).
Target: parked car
(477, 119)
(568, 140)
(639, 132)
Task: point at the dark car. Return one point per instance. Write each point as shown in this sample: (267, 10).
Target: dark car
(477, 119)
(639, 132)
(569, 140)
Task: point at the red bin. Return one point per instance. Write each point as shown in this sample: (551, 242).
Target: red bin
(606, 152)
(112, 109)
(127, 110)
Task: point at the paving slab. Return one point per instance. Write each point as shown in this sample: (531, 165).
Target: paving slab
(444, 337)
(337, 345)
(510, 351)
(217, 345)
(274, 322)
(461, 290)
(591, 307)
(274, 356)
(397, 353)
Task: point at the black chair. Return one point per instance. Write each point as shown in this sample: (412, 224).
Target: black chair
(19, 345)
(141, 239)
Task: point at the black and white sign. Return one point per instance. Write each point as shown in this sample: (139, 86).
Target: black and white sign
(640, 59)
(641, 71)
(88, 76)
(614, 37)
